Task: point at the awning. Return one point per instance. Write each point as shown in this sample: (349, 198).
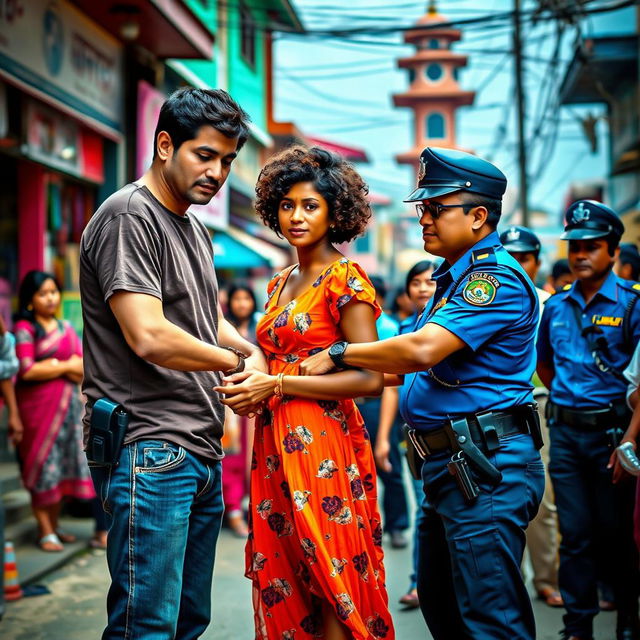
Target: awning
(167, 28)
(235, 249)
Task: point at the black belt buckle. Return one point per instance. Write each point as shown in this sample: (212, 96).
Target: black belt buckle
(459, 469)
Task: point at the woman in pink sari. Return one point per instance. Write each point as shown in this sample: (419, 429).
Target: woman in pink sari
(53, 464)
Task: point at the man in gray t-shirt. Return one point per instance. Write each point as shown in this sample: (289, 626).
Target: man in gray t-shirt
(156, 343)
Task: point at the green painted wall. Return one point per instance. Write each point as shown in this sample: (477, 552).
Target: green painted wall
(246, 82)
(207, 11)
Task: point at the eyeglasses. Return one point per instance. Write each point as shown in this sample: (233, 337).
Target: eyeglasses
(435, 209)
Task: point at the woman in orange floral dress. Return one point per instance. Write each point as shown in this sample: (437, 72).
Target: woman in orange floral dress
(314, 553)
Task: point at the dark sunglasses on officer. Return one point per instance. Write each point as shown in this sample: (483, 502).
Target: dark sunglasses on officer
(435, 209)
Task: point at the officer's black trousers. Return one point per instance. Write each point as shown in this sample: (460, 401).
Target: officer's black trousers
(596, 527)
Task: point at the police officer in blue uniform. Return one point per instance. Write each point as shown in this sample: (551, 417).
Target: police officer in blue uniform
(467, 398)
(587, 336)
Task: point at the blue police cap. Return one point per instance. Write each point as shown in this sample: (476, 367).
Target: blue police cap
(588, 219)
(444, 171)
(521, 239)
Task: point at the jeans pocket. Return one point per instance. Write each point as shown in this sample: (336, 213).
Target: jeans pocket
(160, 458)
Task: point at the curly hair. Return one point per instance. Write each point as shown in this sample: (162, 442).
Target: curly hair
(334, 179)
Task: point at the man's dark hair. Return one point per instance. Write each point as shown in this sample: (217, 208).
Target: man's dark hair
(492, 205)
(379, 286)
(629, 255)
(560, 268)
(188, 109)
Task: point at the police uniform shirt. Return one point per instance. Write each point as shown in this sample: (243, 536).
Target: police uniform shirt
(578, 382)
(487, 301)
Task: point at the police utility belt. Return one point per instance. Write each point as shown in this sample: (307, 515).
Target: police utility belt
(470, 438)
(607, 420)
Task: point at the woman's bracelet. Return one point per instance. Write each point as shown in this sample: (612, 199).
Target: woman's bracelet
(277, 390)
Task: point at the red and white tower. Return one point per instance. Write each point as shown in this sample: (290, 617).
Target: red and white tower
(434, 93)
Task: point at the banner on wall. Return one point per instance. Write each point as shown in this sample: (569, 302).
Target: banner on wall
(214, 215)
(52, 49)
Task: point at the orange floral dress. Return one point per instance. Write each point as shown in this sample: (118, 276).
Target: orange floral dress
(316, 532)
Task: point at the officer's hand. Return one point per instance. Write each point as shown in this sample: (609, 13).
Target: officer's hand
(317, 364)
(619, 474)
(381, 454)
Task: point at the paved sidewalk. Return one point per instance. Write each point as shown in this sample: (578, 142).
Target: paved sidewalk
(75, 609)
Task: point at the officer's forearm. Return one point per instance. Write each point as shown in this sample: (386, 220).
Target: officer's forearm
(402, 354)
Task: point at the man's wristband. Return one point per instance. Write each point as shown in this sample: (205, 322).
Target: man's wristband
(241, 358)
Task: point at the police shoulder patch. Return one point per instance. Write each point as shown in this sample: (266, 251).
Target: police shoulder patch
(481, 288)
(566, 287)
(636, 286)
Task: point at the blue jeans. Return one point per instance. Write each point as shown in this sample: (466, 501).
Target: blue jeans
(469, 580)
(395, 509)
(164, 509)
(596, 527)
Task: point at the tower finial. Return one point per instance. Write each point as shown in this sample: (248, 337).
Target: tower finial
(432, 10)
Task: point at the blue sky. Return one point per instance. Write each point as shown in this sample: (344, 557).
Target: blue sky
(341, 89)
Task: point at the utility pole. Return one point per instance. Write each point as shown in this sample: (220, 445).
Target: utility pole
(520, 101)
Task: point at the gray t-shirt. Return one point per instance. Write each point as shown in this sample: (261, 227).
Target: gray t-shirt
(135, 244)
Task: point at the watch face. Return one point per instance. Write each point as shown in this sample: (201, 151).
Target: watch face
(337, 349)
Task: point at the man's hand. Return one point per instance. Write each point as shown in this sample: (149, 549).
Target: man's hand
(381, 454)
(317, 365)
(256, 362)
(246, 392)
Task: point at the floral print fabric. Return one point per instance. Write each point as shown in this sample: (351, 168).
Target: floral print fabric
(316, 530)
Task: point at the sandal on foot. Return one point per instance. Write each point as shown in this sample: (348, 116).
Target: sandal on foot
(410, 599)
(98, 541)
(50, 543)
(550, 597)
(65, 538)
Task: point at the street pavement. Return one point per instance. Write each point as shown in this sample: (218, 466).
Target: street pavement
(75, 608)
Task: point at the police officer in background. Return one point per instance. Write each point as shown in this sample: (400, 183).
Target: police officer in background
(586, 338)
(542, 534)
(468, 401)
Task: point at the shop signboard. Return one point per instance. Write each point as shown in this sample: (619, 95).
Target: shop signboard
(53, 51)
(214, 215)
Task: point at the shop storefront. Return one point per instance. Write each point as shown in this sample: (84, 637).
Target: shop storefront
(60, 128)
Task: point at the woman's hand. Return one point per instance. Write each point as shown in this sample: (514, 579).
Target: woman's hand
(246, 392)
(316, 365)
(15, 428)
(74, 370)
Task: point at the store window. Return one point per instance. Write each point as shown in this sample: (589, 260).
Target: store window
(434, 44)
(248, 35)
(412, 75)
(8, 236)
(434, 72)
(435, 126)
(70, 205)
